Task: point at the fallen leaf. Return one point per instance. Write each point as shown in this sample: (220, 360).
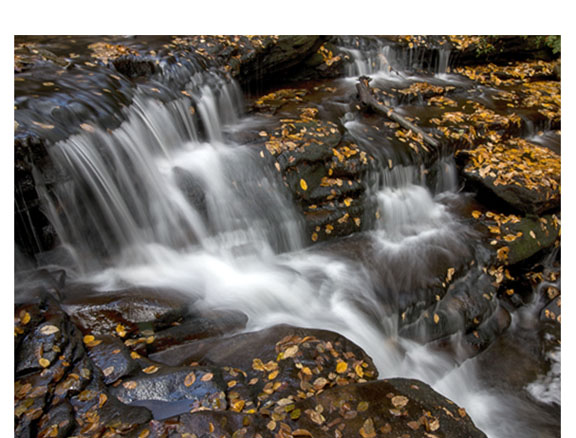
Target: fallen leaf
(190, 379)
(49, 330)
(399, 401)
(151, 369)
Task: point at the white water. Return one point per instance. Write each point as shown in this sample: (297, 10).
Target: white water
(243, 250)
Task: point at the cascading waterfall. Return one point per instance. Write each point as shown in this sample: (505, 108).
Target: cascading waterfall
(165, 200)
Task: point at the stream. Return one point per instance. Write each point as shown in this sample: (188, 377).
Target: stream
(125, 217)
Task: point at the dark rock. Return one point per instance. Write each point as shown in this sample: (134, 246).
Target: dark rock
(199, 327)
(169, 391)
(134, 66)
(207, 424)
(287, 52)
(523, 175)
(100, 312)
(112, 358)
(391, 406)
(538, 233)
(58, 390)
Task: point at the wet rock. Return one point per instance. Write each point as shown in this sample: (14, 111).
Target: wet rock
(516, 239)
(287, 52)
(58, 390)
(221, 424)
(112, 358)
(134, 66)
(100, 312)
(169, 391)
(469, 301)
(523, 175)
(393, 406)
(264, 367)
(199, 327)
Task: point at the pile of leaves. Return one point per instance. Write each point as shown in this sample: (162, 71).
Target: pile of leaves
(516, 162)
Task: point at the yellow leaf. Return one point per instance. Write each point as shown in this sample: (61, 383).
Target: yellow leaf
(121, 330)
(399, 401)
(303, 184)
(25, 319)
(49, 329)
(190, 379)
(436, 318)
(273, 375)
(130, 385)
(151, 369)
(44, 363)
(341, 367)
(314, 237)
(207, 377)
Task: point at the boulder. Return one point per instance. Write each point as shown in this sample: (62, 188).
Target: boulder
(135, 309)
(521, 174)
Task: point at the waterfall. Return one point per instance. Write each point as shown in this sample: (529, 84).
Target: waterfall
(167, 199)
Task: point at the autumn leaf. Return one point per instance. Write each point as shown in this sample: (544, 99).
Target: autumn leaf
(44, 363)
(341, 367)
(151, 369)
(49, 330)
(207, 377)
(399, 401)
(190, 379)
(303, 184)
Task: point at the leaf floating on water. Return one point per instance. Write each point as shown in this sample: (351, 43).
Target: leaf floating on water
(303, 184)
(49, 330)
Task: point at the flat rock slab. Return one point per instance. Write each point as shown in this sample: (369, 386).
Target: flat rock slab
(522, 174)
(100, 312)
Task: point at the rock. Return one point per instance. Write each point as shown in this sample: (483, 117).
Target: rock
(266, 366)
(198, 327)
(399, 407)
(138, 308)
(220, 424)
(58, 390)
(112, 358)
(287, 52)
(523, 175)
(169, 391)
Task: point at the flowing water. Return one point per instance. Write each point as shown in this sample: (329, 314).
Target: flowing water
(168, 200)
